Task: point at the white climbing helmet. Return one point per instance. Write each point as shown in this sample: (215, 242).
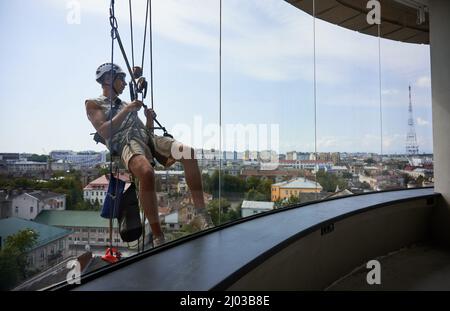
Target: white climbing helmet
(105, 68)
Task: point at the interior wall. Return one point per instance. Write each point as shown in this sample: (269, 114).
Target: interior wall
(315, 261)
(440, 85)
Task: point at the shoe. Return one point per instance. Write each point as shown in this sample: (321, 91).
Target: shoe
(157, 241)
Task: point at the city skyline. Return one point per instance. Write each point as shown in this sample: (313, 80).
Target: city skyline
(298, 152)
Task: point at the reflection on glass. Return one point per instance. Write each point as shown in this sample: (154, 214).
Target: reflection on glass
(348, 119)
(267, 108)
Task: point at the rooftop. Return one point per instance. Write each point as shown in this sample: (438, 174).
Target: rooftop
(254, 172)
(297, 183)
(67, 218)
(337, 167)
(47, 234)
(29, 163)
(103, 182)
(306, 161)
(257, 205)
(169, 172)
(43, 195)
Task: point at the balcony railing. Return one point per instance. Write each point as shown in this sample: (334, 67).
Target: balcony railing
(304, 247)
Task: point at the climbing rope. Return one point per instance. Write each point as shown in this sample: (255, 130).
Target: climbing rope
(151, 57)
(220, 109)
(113, 23)
(131, 33)
(145, 35)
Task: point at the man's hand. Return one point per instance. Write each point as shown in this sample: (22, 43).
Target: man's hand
(150, 113)
(134, 106)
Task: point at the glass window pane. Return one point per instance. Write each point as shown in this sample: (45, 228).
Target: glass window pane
(407, 129)
(267, 107)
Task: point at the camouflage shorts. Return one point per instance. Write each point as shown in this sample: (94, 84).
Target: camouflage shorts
(163, 147)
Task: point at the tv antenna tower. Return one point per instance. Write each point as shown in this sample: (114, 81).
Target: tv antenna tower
(412, 148)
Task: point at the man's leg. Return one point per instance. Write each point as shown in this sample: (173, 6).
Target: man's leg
(141, 169)
(194, 179)
(175, 151)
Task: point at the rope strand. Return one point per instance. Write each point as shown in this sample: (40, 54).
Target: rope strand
(151, 54)
(380, 92)
(131, 31)
(220, 108)
(145, 36)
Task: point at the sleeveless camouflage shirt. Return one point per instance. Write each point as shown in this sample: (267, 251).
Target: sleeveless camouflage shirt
(131, 127)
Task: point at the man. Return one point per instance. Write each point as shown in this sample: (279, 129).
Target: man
(131, 140)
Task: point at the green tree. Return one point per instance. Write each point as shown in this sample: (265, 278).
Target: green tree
(206, 180)
(419, 181)
(24, 183)
(329, 182)
(370, 161)
(265, 188)
(233, 214)
(103, 171)
(286, 202)
(228, 214)
(38, 158)
(189, 228)
(347, 175)
(62, 182)
(406, 179)
(96, 204)
(278, 203)
(230, 185)
(86, 205)
(252, 183)
(293, 200)
(254, 195)
(13, 257)
(214, 183)
(365, 185)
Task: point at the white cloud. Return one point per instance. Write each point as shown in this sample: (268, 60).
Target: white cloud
(367, 142)
(424, 81)
(270, 40)
(393, 142)
(422, 122)
(420, 98)
(425, 143)
(388, 92)
(329, 142)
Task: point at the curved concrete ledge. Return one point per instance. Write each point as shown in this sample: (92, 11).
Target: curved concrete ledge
(306, 247)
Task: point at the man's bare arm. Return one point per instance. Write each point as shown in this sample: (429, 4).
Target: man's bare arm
(97, 117)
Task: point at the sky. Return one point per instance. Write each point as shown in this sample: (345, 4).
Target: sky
(51, 48)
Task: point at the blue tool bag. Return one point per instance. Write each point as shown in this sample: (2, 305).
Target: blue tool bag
(111, 206)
